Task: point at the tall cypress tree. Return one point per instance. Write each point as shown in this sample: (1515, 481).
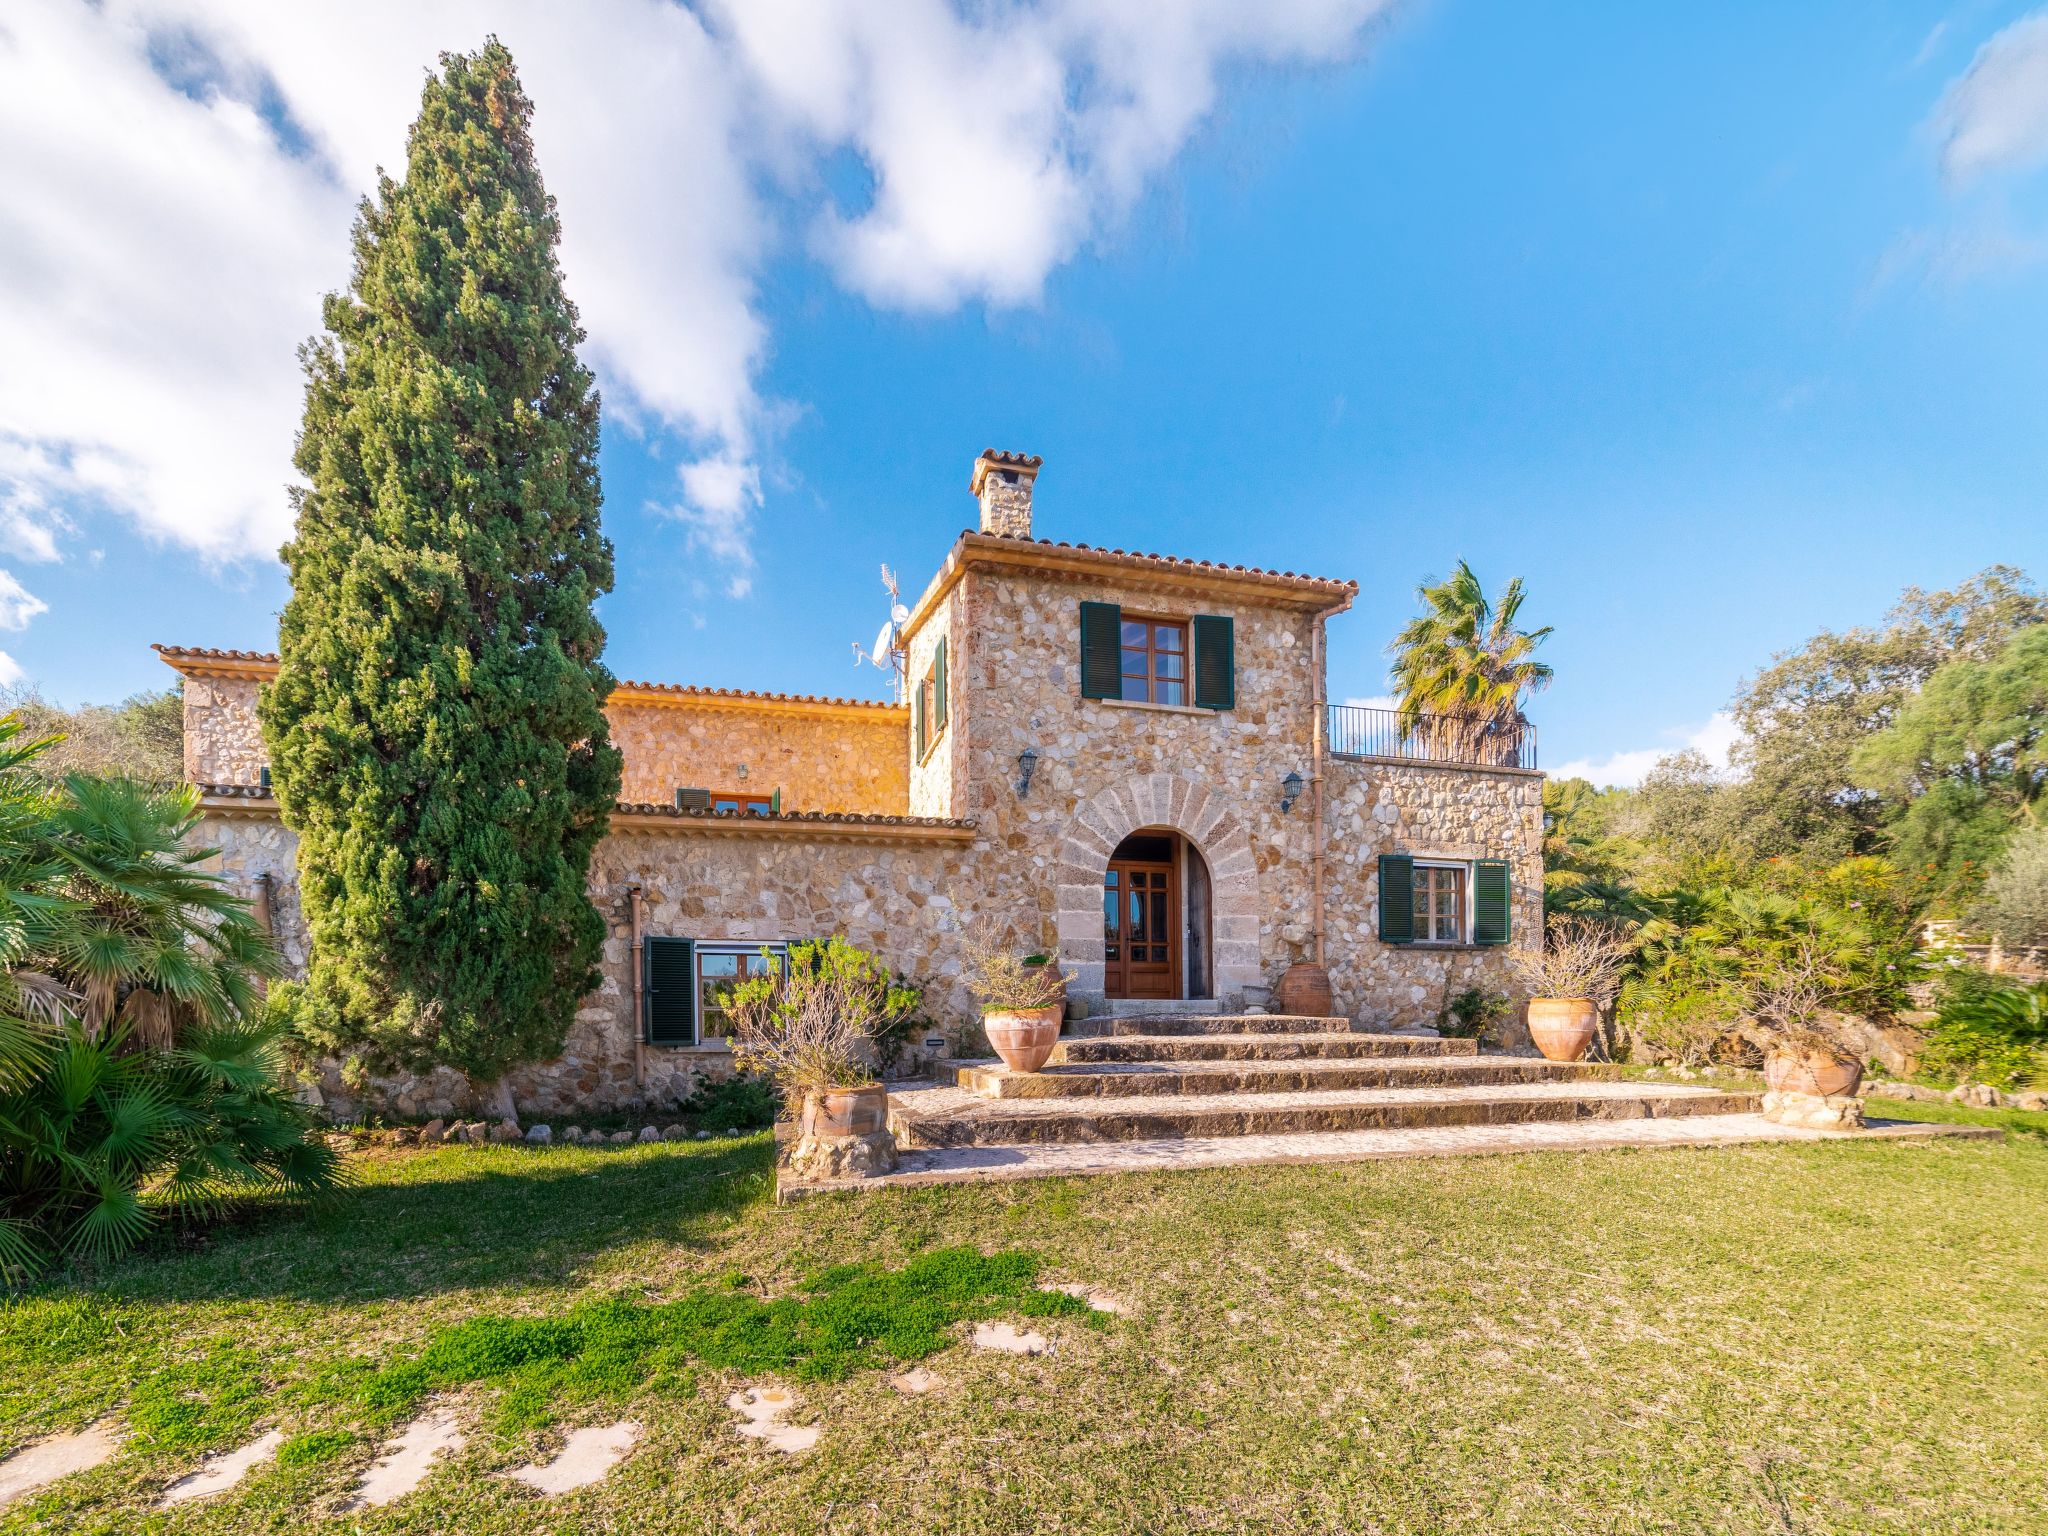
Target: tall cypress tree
(435, 731)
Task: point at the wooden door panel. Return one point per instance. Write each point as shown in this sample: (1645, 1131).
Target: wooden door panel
(1140, 930)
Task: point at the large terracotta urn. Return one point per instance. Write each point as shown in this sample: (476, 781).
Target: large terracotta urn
(1823, 1074)
(834, 1112)
(1023, 1037)
(1304, 991)
(1563, 1027)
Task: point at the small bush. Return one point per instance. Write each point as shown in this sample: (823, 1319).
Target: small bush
(1473, 1014)
(1997, 1035)
(743, 1102)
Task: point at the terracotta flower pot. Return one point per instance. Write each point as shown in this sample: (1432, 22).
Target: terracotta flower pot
(1563, 1027)
(1023, 1037)
(836, 1112)
(1304, 991)
(1820, 1073)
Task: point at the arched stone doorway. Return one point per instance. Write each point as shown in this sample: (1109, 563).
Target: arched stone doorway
(1160, 803)
(1156, 912)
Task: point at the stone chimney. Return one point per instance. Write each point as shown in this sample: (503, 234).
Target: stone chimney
(1002, 483)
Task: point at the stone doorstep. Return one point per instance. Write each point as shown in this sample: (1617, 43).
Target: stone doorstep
(1279, 1047)
(951, 1117)
(1145, 1007)
(1089, 1080)
(1102, 1026)
(974, 1165)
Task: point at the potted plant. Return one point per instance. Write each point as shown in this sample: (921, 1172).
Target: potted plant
(812, 1029)
(1022, 997)
(1785, 988)
(1573, 977)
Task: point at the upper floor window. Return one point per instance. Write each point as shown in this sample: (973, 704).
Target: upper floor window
(1155, 661)
(730, 802)
(928, 704)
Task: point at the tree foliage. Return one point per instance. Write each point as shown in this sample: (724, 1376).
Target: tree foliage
(435, 729)
(141, 738)
(2015, 904)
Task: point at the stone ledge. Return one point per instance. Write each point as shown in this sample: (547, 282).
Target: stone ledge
(1427, 764)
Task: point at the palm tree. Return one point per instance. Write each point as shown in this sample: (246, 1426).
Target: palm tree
(1462, 668)
(137, 1077)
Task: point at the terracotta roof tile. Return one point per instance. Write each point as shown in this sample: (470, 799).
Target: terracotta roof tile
(1173, 562)
(174, 654)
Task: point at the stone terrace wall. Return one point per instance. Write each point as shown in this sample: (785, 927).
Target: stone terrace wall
(223, 740)
(1427, 811)
(820, 762)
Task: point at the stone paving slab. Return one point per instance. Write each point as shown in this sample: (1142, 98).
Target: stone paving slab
(950, 1116)
(968, 1165)
(991, 1080)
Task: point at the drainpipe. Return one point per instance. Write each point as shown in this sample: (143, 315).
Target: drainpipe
(633, 899)
(1317, 753)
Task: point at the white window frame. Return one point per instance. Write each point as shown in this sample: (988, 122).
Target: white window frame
(1466, 871)
(779, 948)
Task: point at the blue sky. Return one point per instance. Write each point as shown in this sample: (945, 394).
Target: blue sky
(1716, 325)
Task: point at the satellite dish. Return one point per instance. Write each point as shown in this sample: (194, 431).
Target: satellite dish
(885, 641)
(899, 615)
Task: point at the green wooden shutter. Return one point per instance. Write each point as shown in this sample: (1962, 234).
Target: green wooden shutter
(669, 990)
(775, 802)
(692, 799)
(917, 723)
(1102, 651)
(1215, 642)
(1397, 899)
(939, 687)
(1490, 904)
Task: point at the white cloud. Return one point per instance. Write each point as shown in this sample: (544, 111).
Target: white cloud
(17, 604)
(1714, 740)
(1995, 115)
(181, 176)
(10, 671)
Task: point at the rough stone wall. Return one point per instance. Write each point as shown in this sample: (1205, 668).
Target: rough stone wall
(1429, 812)
(1017, 685)
(223, 740)
(820, 762)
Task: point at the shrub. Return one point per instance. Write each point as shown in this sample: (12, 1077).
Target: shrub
(1002, 980)
(1473, 1013)
(1997, 1035)
(743, 1102)
(1581, 957)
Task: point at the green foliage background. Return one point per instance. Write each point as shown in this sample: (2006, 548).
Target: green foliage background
(435, 730)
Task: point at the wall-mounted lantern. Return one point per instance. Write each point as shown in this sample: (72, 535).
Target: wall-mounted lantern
(1027, 764)
(1290, 791)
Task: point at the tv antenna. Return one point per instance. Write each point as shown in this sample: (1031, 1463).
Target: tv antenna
(887, 652)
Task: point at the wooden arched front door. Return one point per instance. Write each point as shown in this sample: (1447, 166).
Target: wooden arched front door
(1141, 918)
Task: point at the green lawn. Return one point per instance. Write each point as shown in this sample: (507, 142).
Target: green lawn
(1778, 1339)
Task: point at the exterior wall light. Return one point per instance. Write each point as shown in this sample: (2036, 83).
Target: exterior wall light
(1290, 791)
(1027, 764)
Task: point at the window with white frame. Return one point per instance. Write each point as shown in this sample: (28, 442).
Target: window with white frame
(1440, 903)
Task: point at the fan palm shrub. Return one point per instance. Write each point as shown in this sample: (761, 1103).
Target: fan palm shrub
(1461, 669)
(137, 1080)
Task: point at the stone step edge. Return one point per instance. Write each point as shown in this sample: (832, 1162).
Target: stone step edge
(994, 1123)
(1717, 1132)
(1104, 1026)
(997, 1084)
(1411, 1047)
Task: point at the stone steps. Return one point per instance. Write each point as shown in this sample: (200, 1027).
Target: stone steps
(1102, 1026)
(950, 1116)
(1281, 1046)
(1314, 1074)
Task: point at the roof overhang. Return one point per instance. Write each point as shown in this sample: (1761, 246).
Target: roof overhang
(1149, 573)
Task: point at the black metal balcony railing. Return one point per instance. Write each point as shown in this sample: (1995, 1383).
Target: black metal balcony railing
(1356, 731)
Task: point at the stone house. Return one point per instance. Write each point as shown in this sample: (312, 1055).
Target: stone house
(1128, 758)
